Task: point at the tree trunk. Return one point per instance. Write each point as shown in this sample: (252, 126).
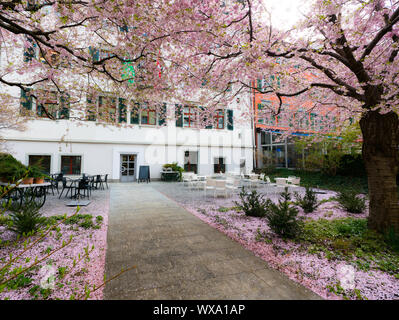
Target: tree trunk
(380, 155)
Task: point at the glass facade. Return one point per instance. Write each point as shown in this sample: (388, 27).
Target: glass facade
(279, 151)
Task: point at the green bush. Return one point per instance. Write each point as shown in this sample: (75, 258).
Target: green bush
(283, 218)
(11, 169)
(308, 202)
(27, 219)
(175, 167)
(351, 202)
(252, 203)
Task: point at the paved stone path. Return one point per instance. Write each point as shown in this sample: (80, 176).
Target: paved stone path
(177, 256)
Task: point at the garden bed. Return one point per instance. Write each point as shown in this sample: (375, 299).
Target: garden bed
(71, 271)
(319, 256)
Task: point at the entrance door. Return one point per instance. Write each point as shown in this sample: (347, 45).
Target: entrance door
(128, 167)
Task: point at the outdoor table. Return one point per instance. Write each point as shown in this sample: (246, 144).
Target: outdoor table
(25, 193)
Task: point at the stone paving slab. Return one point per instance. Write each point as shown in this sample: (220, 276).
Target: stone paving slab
(177, 256)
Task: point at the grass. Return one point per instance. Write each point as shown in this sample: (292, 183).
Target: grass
(322, 181)
(350, 240)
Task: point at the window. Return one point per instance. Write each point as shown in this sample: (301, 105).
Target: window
(189, 117)
(107, 108)
(191, 161)
(54, 103)
(91, 108)
(148, 116)
(41, 161)
(71, 164)
(49, 101)
(31, 51)
(219, 119)
(219, 166)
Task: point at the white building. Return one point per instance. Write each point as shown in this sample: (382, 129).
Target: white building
(74, 147)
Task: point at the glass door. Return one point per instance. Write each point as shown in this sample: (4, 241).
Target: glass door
(128, 167)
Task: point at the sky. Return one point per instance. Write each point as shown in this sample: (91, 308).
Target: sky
(285, 13)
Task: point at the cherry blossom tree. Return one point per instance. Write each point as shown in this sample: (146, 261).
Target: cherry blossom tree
(343, 57)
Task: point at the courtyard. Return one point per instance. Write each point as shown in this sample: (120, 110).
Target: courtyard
(170, 240)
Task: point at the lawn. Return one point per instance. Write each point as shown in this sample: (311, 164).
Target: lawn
(322, 181)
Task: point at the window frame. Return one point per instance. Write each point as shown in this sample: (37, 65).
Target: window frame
(191, 116)
(220, 114)
(70, 156)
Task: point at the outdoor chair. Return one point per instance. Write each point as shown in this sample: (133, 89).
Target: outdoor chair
(106, 180)
(254, 181)
(66, 186)
(99, 181)
(82, 188)
(220, 188)
(210, 185)
(269, 182)
(295, 181)
(233, 185)
(187, 178)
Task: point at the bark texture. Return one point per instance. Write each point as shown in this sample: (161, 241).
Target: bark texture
(380, 154)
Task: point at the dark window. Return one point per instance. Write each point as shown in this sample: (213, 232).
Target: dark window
(71, 164)
(219, 166)
(43, 162)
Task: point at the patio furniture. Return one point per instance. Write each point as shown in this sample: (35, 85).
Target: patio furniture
(24, 193)
(210, 185)
(187, 178)
(99, 181)
(82, 187)
(281, 181)
(69, 187)
(294, 180)
(254, 181)
(269, 182)
(106, 180)
(233, 185)
(220, 188)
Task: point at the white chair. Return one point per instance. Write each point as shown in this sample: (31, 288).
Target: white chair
(281, 181)
(187, 177)
(233, 185)
(220, 188)
(254, 181)
(209, 185)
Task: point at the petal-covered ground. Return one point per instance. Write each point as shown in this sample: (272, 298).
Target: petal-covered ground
(314, 271)
(68, 271)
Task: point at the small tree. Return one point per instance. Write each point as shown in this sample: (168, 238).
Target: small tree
(282, 217)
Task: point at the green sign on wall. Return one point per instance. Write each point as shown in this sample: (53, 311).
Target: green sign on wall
(128, 72)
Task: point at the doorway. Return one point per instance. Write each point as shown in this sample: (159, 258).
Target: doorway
(128, 168)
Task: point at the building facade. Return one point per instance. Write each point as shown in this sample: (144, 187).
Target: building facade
(299, 118)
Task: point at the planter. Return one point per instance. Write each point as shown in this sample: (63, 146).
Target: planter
(27, 181)
(39, 180)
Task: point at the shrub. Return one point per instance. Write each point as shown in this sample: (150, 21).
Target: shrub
(351, 202)
(27, 219)
(308, 202)
(252, 203)
(282, 218)
(175, 167)
(11, 170)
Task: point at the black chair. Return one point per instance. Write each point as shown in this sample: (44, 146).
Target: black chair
(99, 181)
(53, 184)
(65, 186)
(106, 180)
(83, 185)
